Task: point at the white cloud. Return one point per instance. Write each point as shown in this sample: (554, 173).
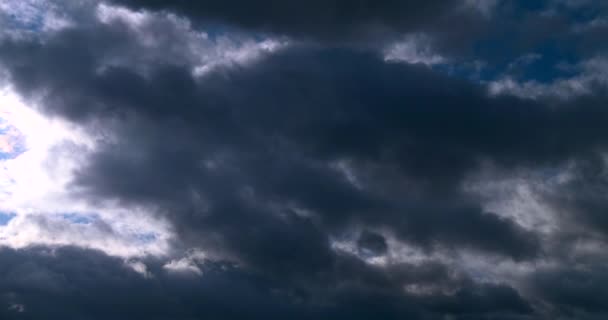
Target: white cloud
(181, 43)
(514, 195)
(35, 186)
(591, 72)
(140, 268)
(112, 236)
(413, 49)
(188, 264)
(35, 182)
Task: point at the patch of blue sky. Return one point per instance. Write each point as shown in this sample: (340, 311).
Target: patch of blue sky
(557, 53)
(12, 143)
(6, 217)
(18, 150)
(4, 126)
(25, 15)
(496, 58)
(80, 218)
(34, 25)
(553, 63)
(147, 237)
(578, 12)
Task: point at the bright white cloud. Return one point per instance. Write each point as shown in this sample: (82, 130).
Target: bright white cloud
(55, 230)
(32, 176)
(39, 155)
(34, 186)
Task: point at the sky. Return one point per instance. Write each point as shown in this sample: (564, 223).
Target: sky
(321, 159)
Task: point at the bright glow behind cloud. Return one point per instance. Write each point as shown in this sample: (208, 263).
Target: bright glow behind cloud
(39, 155)
(28, 179)
(34, 187)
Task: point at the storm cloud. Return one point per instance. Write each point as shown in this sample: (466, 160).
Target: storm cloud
(290, 167)
(318, 19)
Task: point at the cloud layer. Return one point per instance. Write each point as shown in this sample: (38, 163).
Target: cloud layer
(328, 160)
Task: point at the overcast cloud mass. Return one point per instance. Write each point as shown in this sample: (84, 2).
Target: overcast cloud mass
(395, 159)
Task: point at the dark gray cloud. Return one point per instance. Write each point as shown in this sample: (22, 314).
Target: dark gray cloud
(279, 138)
(576, 292)
(495, 32)
(264, 164)
(372, 243)
(336, 19)
(71, 283)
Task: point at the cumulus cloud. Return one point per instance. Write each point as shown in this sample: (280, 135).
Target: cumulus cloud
(36, 173)
(327, 160)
